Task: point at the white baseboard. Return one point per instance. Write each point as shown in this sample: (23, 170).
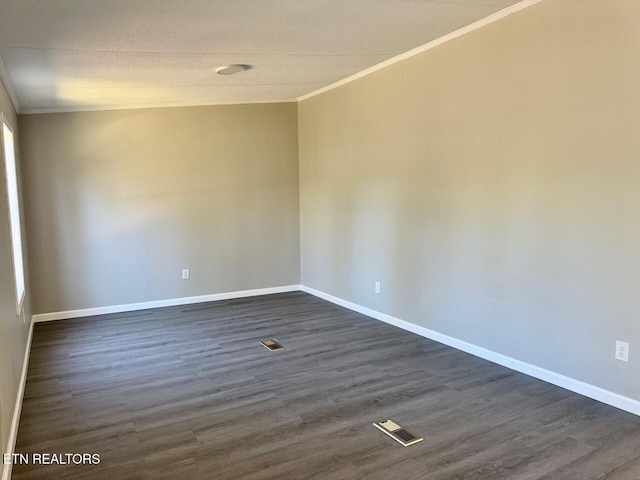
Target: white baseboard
(586, 389)
(131, 307)
(17, 409)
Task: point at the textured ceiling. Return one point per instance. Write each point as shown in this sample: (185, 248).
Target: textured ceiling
(86, 54)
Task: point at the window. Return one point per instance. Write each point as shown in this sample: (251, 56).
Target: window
(14, 212)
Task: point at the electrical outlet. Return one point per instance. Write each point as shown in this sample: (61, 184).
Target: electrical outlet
(186, 274)
(377, 287)
(622, 351)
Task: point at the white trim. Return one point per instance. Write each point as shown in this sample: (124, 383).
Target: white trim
(132, 307)
(4, 74)
(4, 121)
(17, 409)
(427, 46)
(134, 106)
(624, 403)
(5, 78)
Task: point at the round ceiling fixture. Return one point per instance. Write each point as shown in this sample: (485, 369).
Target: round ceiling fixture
(231, 69)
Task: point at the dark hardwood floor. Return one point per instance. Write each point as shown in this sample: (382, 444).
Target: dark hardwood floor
(189, 393)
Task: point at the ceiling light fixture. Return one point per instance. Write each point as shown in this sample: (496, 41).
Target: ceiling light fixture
(231, 69)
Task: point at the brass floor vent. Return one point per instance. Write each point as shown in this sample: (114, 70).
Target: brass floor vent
(398, 433)
(272, 345)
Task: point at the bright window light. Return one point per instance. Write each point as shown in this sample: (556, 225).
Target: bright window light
(14, 212)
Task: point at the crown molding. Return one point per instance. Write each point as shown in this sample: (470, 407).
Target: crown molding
(133, 106)
(427, 46)
(4, 74)
(8, 85)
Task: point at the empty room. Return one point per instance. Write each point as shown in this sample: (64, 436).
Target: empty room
(320, 239)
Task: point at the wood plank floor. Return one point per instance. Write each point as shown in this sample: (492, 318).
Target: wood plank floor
(188, 393)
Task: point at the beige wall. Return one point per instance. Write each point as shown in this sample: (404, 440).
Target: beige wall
(492, 185)
(119, 202)
(13, 329)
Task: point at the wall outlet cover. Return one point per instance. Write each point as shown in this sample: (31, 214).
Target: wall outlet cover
(622, 351)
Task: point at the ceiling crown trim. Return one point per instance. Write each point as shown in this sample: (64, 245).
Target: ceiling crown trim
(427, 46)
(133, 106)
(8, 84)
(6, 79)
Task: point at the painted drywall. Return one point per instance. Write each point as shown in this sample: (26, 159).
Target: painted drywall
(492, 186)
(14, 329)
(118, 203)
